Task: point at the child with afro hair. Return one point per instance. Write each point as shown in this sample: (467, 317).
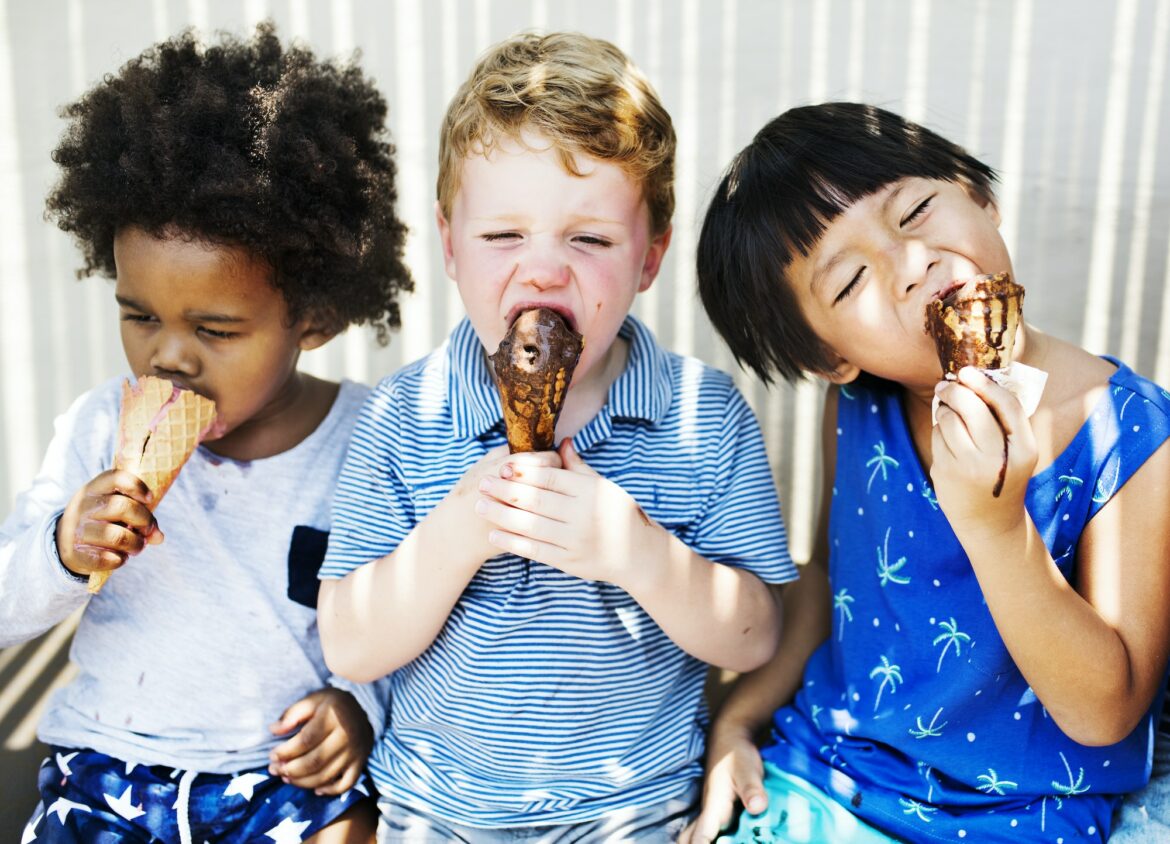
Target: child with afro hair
(241, 194)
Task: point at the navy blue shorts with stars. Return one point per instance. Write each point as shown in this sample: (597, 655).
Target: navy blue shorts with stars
(90, 797)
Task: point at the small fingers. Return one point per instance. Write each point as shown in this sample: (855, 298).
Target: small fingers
(532, 499)
(551, 478)
(531, 549)
(130, 485)
(319, 768)
(103, 536)
(346, 780)
(514, 520)
(305, 742)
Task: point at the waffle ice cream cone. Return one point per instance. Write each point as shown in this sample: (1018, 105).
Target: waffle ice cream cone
(975, 323)
(159, 429)
(532, 368)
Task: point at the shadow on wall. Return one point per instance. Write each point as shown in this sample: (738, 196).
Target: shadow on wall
(29, 674)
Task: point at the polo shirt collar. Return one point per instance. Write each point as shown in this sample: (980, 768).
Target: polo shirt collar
(641, 393)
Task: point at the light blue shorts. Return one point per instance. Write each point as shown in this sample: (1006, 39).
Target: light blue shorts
(1144, 816)
(800, 813)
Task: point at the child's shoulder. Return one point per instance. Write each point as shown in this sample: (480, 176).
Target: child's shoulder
(658, 363)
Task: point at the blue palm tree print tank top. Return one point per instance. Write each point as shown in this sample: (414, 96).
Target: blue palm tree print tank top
(913, 713)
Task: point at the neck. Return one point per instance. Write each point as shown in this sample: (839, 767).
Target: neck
(587, 397)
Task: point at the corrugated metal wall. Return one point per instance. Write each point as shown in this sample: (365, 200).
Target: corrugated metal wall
(1067, 98)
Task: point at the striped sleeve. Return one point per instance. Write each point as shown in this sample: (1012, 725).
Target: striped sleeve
(740, 524)
(372, 511)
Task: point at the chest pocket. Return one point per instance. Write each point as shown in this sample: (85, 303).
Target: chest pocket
(306, 552)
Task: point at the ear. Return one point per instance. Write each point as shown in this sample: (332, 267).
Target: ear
(988, 204)
(655, 252)
(313, 336)
(445, 240)
(843, 372)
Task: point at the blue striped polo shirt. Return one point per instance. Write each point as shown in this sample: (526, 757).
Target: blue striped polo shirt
(547, 698)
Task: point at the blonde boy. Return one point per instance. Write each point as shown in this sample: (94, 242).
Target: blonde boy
(547, 617)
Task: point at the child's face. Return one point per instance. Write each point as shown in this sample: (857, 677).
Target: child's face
(865, 286)
(208, 318)
(524, 232)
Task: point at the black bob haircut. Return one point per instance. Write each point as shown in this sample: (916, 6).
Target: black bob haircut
(799, 173)
(243, 144)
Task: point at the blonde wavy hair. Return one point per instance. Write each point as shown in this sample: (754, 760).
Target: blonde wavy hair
(581, 94)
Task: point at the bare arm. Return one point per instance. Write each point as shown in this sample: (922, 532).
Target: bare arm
(1095, 654)
(734, 767)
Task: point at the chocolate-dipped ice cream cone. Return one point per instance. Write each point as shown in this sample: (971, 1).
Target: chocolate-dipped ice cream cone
(975, 324)
(532, 369)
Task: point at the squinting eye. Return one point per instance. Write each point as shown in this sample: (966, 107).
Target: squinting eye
(495, 237)
(849, 288)
(918, 211)
(139, 318)
(218, 335)
(592, 240)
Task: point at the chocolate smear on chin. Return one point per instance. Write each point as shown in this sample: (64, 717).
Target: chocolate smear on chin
(532, 369)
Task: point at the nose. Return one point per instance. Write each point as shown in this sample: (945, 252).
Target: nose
(917, 263)
(172, 354)
(544, 265)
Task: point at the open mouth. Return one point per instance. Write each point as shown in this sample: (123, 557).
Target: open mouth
(952, 288)
(561, 311)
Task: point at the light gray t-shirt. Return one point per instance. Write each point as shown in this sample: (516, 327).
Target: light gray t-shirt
(195, 646)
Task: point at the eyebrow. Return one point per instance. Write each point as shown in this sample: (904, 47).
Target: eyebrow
(820, 272)
(193, 316)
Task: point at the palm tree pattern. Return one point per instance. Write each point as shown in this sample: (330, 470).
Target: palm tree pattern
(841, 602)
(928, 730)
(990, 783)
(887, 573)
(879, 461)
(951, 635)
(1068, 483)
(891, 676)
(905, 591)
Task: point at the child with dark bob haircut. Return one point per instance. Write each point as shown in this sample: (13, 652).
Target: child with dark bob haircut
(980, 664)
(242, 197)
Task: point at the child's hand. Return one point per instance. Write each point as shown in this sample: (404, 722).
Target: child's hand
(466, 493)
(572, 518)
(734, 772)
(329, 752)
(977, 421)
(107, 521)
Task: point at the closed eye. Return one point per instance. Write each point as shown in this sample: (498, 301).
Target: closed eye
(218, 335)
(497, 237)
(593, 240)
(918, 211)
(138, 318)
(849, 288)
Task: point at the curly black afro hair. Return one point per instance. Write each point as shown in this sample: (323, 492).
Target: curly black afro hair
(245, 144)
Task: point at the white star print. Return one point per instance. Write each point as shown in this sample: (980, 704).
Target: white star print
(63, 806)
(288, 831)
(244, 784)
(123, 806)
(63, 763)
(30, 831)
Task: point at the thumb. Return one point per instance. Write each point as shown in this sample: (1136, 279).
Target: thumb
(295, 716)
(571, 460)
(749, 787)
